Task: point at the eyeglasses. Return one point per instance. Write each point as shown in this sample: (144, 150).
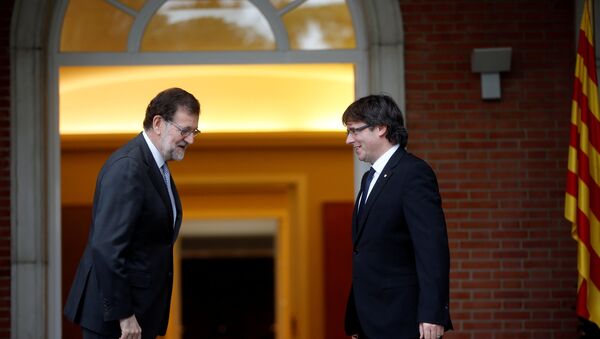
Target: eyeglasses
(355, 130)
(185, 132)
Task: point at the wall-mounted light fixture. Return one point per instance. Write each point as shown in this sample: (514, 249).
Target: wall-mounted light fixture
(490, 62)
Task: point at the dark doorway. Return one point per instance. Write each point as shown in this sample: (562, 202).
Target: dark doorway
(228, 297)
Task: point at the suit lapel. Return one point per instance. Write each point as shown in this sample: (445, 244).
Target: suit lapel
(179, 210)
(382, 180)
(157, 180)
(355, 211)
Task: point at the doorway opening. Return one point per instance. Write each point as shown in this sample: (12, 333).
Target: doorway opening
(228, 279)
(229, 298)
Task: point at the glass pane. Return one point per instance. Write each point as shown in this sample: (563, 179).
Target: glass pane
(320, 24)
(135, 4)
(219, 25)
(94, 26)
(234, 98)
(281, 3)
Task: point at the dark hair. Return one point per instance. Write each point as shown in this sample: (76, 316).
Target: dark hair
(166, 104)
(379, 110)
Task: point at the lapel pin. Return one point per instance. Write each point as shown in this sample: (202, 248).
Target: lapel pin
(385, 175)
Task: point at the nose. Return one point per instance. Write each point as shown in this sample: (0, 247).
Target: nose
(349, 139)
(189, 139)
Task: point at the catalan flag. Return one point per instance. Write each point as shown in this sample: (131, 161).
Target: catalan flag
(582, 203)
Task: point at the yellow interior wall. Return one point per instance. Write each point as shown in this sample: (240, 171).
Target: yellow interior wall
(234, 98)
(243, 175)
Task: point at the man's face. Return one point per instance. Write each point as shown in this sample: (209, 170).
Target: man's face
(366, 140)
(172, 144)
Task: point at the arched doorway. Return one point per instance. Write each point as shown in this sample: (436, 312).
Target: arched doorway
(36, 193)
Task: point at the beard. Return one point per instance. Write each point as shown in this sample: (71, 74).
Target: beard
(173, 151)
(177, 154)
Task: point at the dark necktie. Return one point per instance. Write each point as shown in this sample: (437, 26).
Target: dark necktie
(167, 178)
(365, 190)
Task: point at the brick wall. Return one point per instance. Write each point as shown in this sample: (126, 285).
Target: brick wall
(501, 164)
(5, 14)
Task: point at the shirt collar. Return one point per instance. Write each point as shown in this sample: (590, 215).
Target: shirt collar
(158, 158)
(380, 163)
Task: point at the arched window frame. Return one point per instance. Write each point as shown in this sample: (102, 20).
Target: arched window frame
(283, 54)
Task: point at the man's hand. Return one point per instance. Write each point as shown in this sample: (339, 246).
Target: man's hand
(130, 329)
(430, 331)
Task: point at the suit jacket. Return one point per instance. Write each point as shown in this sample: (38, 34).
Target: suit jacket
(127, 265)
(401, 260)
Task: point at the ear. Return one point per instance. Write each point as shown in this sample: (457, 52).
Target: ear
(381, 130)
(157, 123)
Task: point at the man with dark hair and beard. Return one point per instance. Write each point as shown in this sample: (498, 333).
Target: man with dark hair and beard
(122, 288)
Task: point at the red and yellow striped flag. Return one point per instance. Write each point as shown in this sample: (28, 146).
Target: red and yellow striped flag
(582, 203)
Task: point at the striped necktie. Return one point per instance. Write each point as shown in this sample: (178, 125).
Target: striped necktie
(167, 178)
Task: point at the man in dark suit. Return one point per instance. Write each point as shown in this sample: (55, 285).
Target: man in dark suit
(400, 261)
(122, 288)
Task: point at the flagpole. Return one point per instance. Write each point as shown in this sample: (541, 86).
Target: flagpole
(593, 18)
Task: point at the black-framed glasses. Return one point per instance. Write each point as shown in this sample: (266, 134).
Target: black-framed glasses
(185, 132)
(355, 130)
